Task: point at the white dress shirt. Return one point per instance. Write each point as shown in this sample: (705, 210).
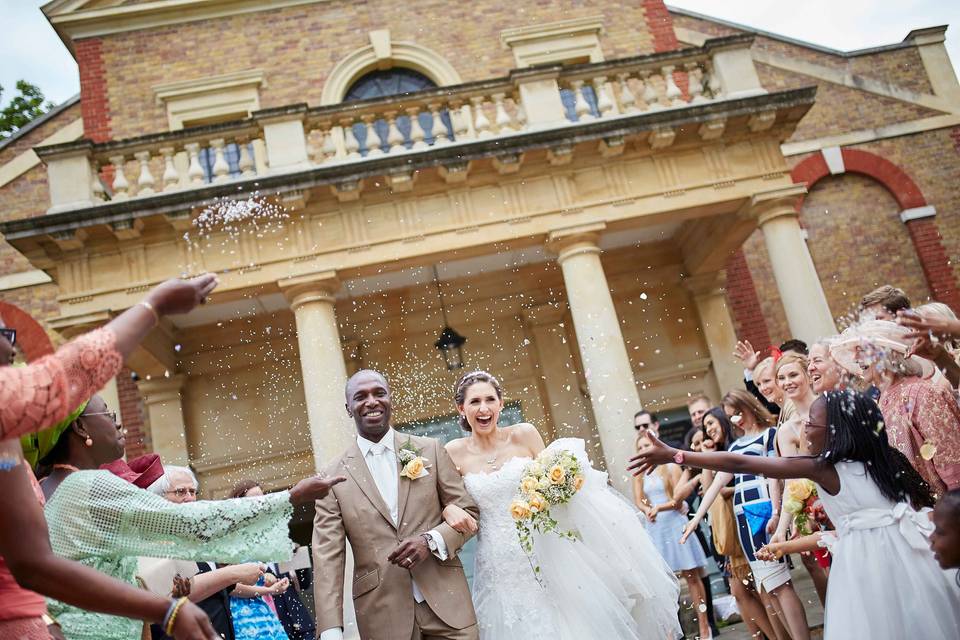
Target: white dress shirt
(384, 465)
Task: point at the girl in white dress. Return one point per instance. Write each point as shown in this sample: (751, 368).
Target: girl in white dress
(610, 583)
(884, 583)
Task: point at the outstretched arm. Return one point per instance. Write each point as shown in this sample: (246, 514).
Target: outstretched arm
(719, 482)
(785, 468)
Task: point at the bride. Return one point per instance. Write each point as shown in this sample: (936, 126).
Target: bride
(611, 583)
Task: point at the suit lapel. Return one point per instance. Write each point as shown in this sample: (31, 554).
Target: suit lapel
(357, 468)
(403, 483)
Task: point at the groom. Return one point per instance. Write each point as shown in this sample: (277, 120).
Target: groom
(408, 582)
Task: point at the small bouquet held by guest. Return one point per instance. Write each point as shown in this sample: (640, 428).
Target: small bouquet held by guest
(803, 503)
(551, 479)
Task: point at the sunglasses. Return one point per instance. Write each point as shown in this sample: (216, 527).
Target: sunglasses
(10, 335)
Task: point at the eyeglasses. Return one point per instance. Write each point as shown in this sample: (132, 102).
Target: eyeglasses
(112, 414)
(9, 334)
(642, 427)
(183, 492)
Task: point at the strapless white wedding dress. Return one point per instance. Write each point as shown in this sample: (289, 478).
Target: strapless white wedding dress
(610, 584)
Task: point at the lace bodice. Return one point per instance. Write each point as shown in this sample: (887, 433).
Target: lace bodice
(43, 393)
(500, 561)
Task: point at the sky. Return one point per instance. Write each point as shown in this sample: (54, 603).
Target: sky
(31, 50)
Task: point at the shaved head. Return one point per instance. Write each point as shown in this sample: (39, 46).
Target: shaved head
(362, 375)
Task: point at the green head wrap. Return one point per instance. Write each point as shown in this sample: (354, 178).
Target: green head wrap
(37, 445)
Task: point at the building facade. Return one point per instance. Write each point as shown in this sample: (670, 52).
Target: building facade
(599, 197)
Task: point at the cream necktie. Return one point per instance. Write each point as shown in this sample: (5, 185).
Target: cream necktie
(386, 476)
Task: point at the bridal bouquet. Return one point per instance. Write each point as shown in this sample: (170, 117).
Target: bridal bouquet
(803, 503)
(551, 479)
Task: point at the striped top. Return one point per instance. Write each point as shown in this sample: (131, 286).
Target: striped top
(750, 487)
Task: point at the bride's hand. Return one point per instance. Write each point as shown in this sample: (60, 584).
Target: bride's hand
(460, 520)
(687, 530)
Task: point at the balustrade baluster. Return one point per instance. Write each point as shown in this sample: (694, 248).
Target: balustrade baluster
(121, 188)
(145, 180)
(460, 116)
(580, 105)
(437, 129)
(628, 102)
(373, 141)
(417, 134)
(328, 150)
(673, 94)
(481, 123)
(194, 171)
(171, 178)
(99, 194)
(504, 123)
(650, 94)
(221, 170)
(695, 82)
(604, 103)
(394, 137)
(245, 163)
(350, 141)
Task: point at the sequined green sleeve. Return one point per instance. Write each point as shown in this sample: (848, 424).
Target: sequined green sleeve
(97, 514)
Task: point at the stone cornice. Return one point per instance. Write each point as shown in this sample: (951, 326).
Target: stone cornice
(180, 201)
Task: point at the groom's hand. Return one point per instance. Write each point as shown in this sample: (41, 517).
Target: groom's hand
(410, 553)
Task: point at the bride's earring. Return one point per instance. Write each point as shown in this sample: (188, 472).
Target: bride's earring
(88, 441)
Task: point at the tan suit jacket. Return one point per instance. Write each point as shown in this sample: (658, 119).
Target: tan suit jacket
(383, 592)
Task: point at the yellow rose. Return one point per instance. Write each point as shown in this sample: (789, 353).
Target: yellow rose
(793, 506)
(538, 503)
(577, 483)
(519, 509)
(557, 475)
(799, 490)
(529, 484)
(413, 469)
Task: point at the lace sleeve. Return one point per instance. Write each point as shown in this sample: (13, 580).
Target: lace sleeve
(94, 513)
(42, 394)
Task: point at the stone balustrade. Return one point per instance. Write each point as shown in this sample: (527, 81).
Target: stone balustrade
(300, 138)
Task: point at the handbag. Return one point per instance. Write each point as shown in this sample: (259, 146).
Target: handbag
(724, 527)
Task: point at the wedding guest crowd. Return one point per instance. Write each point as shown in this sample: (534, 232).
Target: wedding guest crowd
(834, 453)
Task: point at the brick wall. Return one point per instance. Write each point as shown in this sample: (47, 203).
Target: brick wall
(131, 414)
(94, 95)
(297, 47)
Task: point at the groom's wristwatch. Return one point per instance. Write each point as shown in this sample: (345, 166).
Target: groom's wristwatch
(431, 543)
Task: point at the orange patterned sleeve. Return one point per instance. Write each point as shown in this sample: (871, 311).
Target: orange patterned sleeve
(937, 417)
(43, 393)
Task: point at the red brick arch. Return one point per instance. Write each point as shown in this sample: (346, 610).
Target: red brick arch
(31, 336)
(923, 231)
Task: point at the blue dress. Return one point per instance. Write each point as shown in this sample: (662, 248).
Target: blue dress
(253, 618)
(668, 527)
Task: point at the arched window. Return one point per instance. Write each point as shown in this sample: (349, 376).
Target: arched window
(388, 82)
(391, 82)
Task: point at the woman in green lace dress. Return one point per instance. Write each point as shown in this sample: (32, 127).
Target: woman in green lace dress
(104, 522)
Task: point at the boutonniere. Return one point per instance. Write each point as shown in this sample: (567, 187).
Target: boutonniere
(414, 465)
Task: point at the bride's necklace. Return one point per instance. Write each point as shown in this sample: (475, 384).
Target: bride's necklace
(492, 462)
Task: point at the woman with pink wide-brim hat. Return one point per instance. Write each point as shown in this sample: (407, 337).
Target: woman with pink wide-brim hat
(922, 416)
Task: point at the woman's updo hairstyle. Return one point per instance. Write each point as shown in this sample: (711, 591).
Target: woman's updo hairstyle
(466, 381)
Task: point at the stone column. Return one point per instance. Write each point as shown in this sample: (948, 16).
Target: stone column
(321, 360)
(804, 302)
(568, 410)
(164, 407)
(613, 391)
(709, 297)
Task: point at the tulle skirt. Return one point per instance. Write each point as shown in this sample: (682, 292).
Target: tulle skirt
(612, 583)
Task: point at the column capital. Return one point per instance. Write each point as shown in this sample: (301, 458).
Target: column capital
(767, 205)
(320, 286)
(706, 284)
(571, 241)
(161, 388)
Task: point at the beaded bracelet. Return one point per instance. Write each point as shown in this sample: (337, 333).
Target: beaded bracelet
(171, 618)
